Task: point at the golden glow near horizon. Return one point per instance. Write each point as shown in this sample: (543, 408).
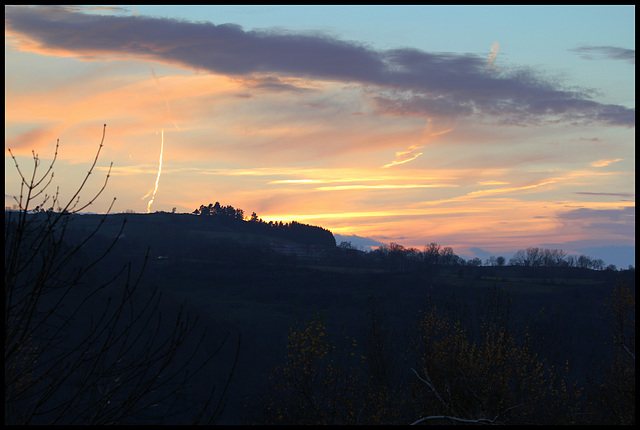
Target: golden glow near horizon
(420, 145)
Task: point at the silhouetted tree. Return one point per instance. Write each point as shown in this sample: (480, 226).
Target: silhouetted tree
(81, 350)
(432, 253)
(584, 262)
(553, 257)
(448, 257)
(476, 261)
(487, 377)
(316, 385)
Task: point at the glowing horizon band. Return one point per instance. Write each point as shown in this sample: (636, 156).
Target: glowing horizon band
(381, 187)
(368, 214)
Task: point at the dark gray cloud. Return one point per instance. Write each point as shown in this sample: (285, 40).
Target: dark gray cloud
(608, 52)
(113, 9)
(627, 214)
(406, 81)
(274, 84)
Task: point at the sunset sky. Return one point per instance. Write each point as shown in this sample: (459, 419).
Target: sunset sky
(487, 129)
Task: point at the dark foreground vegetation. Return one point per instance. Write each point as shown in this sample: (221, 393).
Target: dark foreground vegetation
(214, 317)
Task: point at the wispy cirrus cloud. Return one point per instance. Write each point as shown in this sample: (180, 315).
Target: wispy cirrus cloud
(605, 194)
(411, 153)
(607, 52)
(404, 81)
(405, 156)
(605, 162)
(491, 191)
(493, 183)
(382, 187)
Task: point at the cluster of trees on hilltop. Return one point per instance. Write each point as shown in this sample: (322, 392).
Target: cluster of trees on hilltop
(397, 257)
(294, 231)
(217, 210)
(543, 257)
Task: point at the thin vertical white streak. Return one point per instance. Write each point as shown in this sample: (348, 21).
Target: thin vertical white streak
(166, 102)
(159, 173)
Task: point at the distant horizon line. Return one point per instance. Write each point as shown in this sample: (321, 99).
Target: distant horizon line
(378, 244)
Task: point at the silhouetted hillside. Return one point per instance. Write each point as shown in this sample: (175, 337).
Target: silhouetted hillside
(294, 231)
(171, 235)
(259, 279)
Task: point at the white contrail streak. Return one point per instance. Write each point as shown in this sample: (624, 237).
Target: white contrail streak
(159, 172)
(411, 153)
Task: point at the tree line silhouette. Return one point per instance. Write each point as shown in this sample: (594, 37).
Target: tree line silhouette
(294, 231)
(395, 257)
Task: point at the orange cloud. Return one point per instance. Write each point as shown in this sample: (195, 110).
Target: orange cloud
(391, 213)
(604, 163)
(493, 183)
(129, 105)
(480, 193)
(405, 156)
(388, 186)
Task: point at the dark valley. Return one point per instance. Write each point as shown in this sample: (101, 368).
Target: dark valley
(313, 332)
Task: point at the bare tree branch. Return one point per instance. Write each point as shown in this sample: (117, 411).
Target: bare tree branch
(85, 346)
